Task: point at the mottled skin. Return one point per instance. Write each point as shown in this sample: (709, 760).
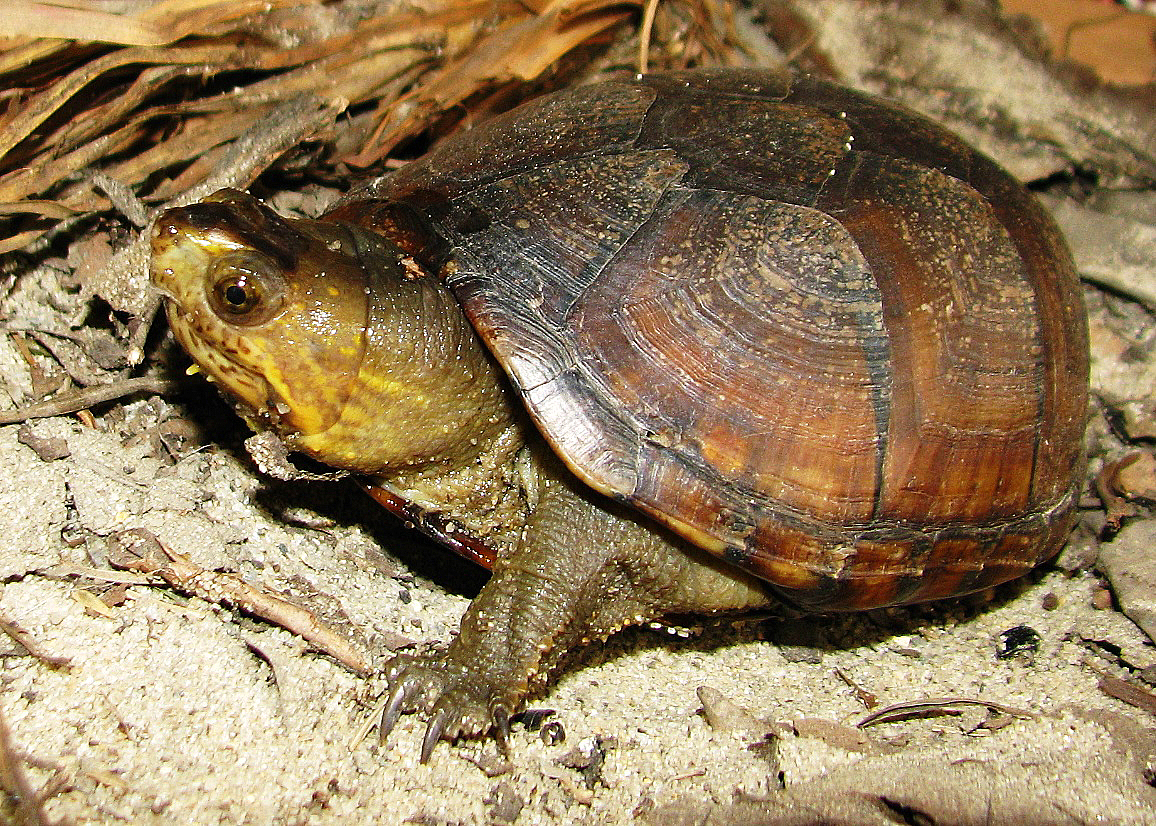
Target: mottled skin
(798, 328)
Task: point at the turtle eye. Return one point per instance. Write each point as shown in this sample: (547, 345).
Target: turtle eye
(243, 290)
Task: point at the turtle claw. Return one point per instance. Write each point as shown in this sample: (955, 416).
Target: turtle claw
(456, 701)
(501, 717)
(433, 732)
(400, 694)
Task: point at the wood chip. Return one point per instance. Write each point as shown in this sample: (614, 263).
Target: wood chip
(1129, 693)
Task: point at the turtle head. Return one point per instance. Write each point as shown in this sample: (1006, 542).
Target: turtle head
(326, 333)
(273, 313)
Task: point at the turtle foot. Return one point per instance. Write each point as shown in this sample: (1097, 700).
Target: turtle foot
(457, 701)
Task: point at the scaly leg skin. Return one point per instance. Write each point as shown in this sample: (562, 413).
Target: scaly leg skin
(584, 569)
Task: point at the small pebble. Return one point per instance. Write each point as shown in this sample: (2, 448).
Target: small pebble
(1102, 599)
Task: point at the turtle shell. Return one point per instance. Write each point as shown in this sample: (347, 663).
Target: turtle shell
(810, 331)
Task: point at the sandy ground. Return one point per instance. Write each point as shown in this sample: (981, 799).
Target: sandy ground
(174, 710)
(166, 709)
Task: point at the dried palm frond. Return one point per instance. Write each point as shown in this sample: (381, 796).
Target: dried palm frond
(152, 94)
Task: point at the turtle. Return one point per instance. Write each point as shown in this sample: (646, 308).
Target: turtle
(687, 343)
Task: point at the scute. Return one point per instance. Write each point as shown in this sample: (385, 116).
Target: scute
(852, 361)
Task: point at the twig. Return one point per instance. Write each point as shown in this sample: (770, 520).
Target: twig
(65, 570)
(76, 400)
(916, 706)
(25, 641)
(868, 699)
(648, 12)
(138, 550)
(123, 198)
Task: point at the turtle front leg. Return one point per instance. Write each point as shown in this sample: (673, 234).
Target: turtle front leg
(584, 569)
